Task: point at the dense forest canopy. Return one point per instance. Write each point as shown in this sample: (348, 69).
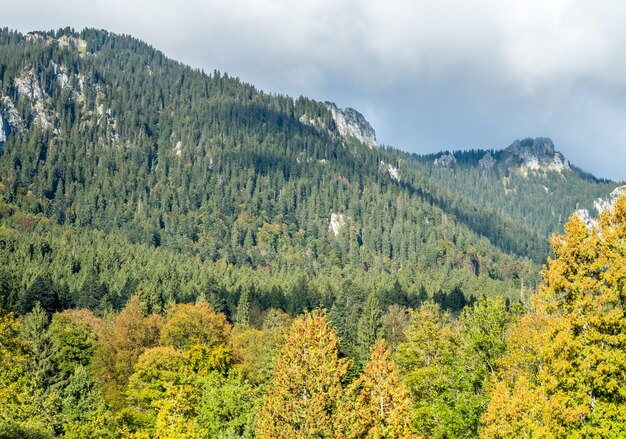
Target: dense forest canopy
(171, 241)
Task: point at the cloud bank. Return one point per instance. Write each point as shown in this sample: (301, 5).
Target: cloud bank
(428, 75)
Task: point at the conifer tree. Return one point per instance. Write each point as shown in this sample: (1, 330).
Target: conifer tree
(34, 331)
(243, 308)
(376, 405)
(567, 358)
(303, 398)
(369, 327)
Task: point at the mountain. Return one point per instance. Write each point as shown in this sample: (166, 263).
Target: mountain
(529, 182)
(126, 170)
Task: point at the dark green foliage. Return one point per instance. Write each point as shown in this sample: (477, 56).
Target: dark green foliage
(34, 330)
(41, 291)
(210, 167)
(130, 174)
(369, 328)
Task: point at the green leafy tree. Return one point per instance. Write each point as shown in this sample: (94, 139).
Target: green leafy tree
(84, 412)
(227, 407)
(73, 336)
(446, 363)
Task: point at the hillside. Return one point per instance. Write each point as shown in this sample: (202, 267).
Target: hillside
(529, 181)
(106, 137)
(185, 256)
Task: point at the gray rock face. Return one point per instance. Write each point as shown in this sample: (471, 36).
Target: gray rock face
(445, 161)
(393, 171)
(4, 131)
(535, 154)
(487, 162)
(601, 205)
(28, 85)
(337, 221)
(9, 119)
(351, 123)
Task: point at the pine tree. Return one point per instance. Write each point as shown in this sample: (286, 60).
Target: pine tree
(242, 317)
(303, 398)
(40, 346)
(369, 327)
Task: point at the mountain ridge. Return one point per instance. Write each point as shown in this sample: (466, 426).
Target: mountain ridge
(211, 168)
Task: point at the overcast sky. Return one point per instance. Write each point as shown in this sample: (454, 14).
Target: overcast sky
(429, 75)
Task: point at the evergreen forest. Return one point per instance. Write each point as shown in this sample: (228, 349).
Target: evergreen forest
(185, 256)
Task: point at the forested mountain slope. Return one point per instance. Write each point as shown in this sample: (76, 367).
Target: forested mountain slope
(529, 182)
(110, 149)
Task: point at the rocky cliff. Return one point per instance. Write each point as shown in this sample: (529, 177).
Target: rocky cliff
(534, 154)
(351, 123)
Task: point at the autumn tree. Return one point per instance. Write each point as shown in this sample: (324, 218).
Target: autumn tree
(194, 324)
(157, 375)
(394, 323)
(566, 362)
(376, 405)
(121, 340)
(303, 397)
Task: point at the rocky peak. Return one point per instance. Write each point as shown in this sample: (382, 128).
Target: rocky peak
(535, 154)
(487, 162)
(64, 41)
(351, 123)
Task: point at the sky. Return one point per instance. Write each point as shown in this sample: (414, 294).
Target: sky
(428, 75)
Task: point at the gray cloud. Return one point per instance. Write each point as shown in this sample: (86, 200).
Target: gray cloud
(428, 75)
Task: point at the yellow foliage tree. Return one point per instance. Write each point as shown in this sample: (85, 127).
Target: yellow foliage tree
(376, 405)
(194, 324)
(121, 340)
(565, 370)
(303, 397)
